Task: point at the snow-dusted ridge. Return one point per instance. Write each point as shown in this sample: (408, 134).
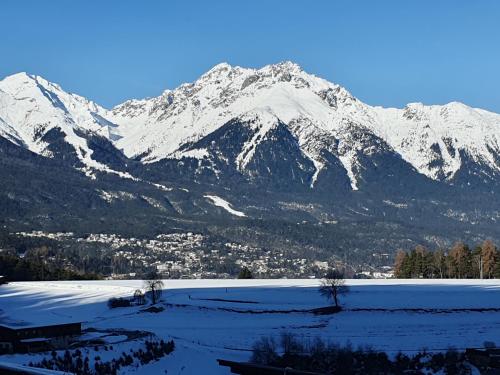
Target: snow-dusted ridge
(322, 116)
(30, 107)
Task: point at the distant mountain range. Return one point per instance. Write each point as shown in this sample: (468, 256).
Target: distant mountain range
(274, 144)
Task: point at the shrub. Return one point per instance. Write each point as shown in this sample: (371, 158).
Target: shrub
(118, 302)
(344, 360)
(264, 351)
(489, 345)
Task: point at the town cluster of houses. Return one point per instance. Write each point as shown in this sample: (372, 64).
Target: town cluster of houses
(194, 255)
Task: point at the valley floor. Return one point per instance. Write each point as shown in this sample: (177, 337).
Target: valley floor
(211, 319)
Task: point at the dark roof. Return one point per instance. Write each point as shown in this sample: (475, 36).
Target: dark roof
(19, 326)
(247, 368)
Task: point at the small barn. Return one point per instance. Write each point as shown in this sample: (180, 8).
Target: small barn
(25, 339)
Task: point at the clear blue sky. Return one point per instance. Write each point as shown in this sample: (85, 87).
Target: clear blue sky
(386, 52)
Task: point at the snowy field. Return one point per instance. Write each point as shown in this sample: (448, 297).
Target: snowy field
(211, 319)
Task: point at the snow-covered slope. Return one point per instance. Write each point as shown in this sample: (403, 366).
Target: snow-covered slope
(218, 201)
(435, 139)
(321, 115)
(213, 319)
(33, 111)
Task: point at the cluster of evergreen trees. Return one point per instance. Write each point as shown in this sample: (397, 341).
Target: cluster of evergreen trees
(36, 268)
(78, 364)
(245, 273)
(457, 262)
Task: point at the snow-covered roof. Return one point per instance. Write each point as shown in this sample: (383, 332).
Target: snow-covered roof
(22, 369)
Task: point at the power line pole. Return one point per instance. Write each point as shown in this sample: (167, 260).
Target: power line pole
(481, 266)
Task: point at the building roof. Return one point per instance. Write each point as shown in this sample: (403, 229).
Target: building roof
(24, 325)
(22, 369)
(36, 339)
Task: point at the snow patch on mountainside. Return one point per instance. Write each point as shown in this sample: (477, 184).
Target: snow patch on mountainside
(218, 201)
(348, 162)
(263, 121)
(198, 153)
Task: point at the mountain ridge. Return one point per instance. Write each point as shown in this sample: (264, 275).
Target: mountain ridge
(158, 128)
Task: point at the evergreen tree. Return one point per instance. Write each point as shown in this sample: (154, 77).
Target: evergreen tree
(245, 273)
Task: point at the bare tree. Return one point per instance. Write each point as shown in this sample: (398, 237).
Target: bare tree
(154, 285)
(398, 263)
(439, 262)
(477, 259)
(332, 286)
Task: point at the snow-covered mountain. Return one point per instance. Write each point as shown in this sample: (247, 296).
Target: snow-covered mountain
(274, 143)
(43, 118)
(436, 139)
(320, 115)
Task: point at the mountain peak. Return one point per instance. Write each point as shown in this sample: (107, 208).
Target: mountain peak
(221, 66)
(224, 70)
(217, 70)
(17, 79)
(19, 76)
(286, 65)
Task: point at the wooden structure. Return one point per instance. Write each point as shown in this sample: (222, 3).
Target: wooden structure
(25, 339)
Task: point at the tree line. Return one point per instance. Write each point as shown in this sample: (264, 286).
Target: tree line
(29, 268)
(291, 354)
(457, 262)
